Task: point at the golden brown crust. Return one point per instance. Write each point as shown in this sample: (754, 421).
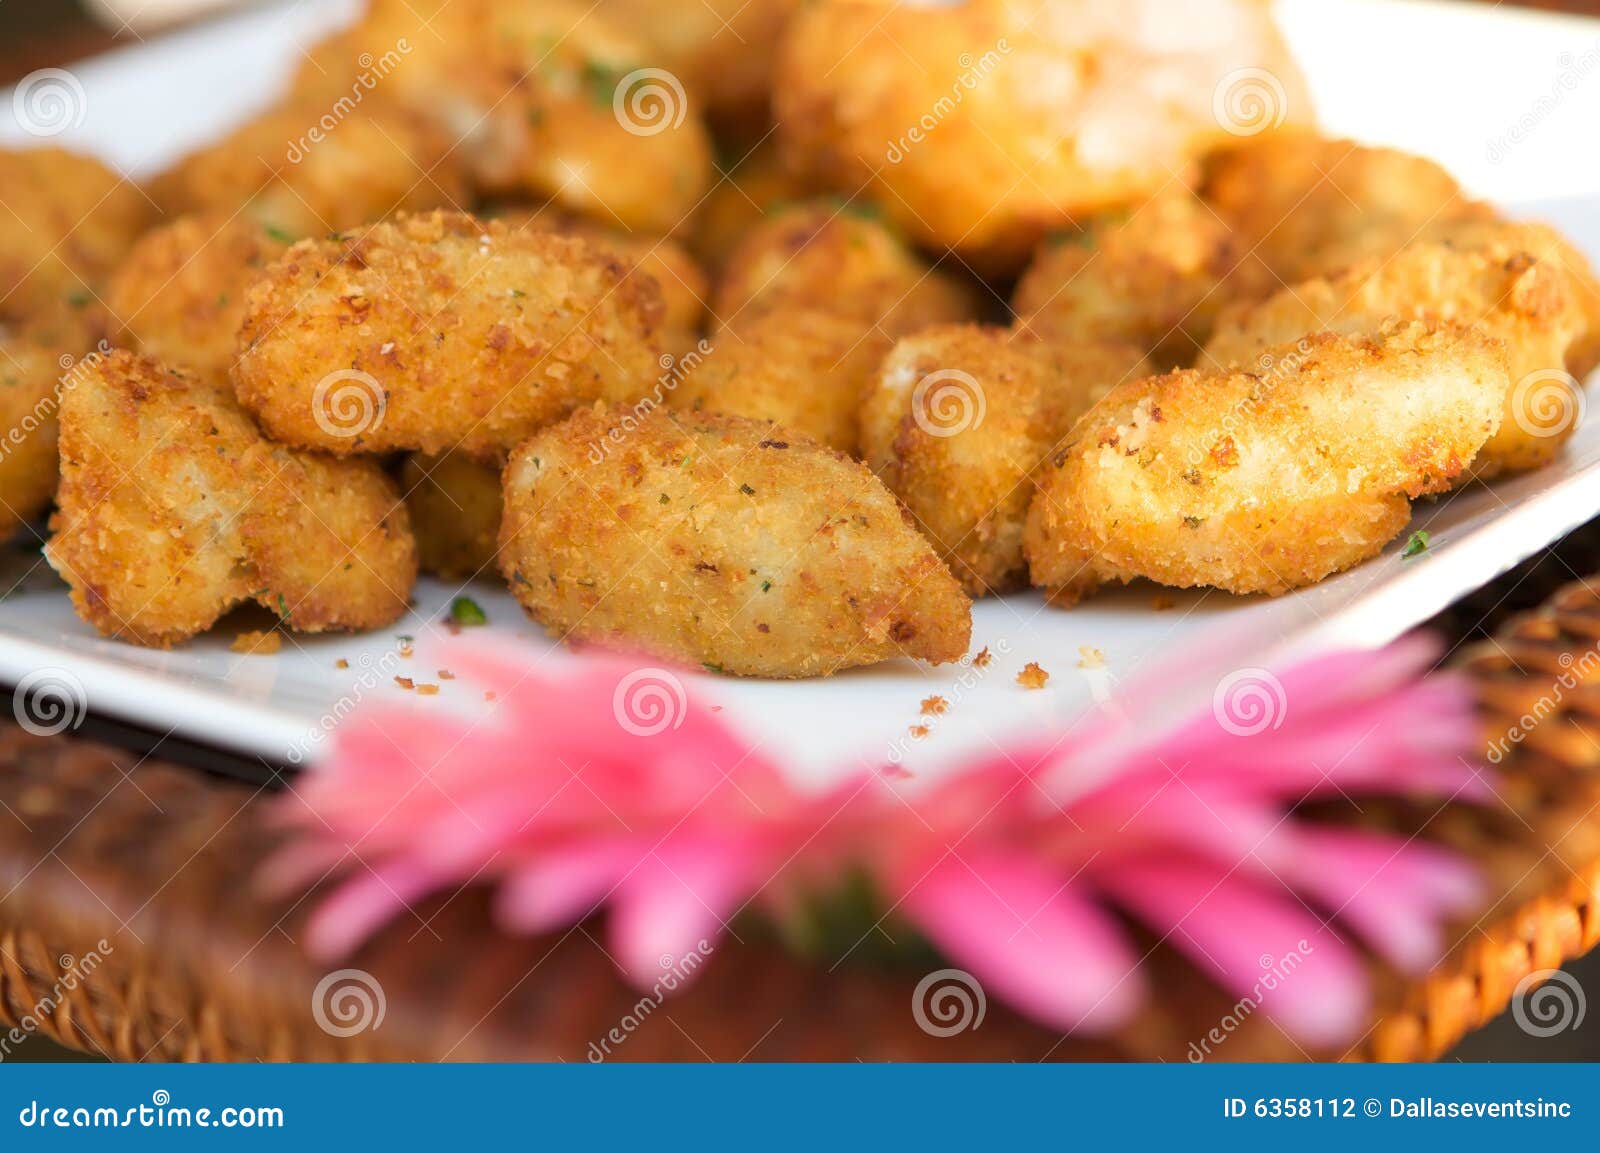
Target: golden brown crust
(1154, 277)
(804, 368)
(1524, 302)
(983, 125)
(368, 165)
(827, 256)
(721, 541)
(441, 332)
(455, 508)
(67, 221)
(173, 508)
(30, 374)
(180, 294)
(752, 189)
(1269, 480)
(958, 418)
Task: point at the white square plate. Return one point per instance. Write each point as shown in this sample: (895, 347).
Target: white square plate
(1507, 101)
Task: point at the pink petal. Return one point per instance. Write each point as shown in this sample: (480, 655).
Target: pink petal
(677, 898)
(359, 906)
(562, 885)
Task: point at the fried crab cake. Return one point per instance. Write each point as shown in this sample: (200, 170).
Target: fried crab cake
(1265, 483)
(378, 161)
(455, 508)
(65, 222)
(1309, 206)
(441, 332)
(804, 368)
(825, 256)
(180, 294)
(1154, 277)
(754, 187)
(30, 374)
(1526, 303)
(981, 126)
(724, 542)
(174, 508)
(956, 421)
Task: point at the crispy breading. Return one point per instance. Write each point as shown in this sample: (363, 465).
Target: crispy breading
(756, 186)
(804, 368)
(685, 290)
(957, 420)
(180, 294)
(1155, 276)
(1310, 206)
(532, 96)
(1526, 303)
(174, 508)
(1265, 483)
(30, 374)
(441, 332)
(983, 125)
(721, 541)
(455, 508)
(377, 161)
(65, 222)
(823, 255)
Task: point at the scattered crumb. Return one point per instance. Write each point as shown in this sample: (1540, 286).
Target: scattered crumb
(934, 706)
(446, 675)
(341, 663)
(405, 682)
(404, 645)
(1032, 676)
(264, 643)
(919, 731)
(427, 690)
(1090, 657)
(981, 661)
(1161, 603)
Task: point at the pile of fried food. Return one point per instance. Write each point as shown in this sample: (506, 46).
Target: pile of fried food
(975, 301)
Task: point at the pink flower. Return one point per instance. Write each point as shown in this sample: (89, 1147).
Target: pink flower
(612, 786)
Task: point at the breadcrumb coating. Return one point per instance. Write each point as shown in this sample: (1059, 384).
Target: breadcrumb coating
(441, 332)
(1270, 480)
(724, 542)
(174, 508)
(455, 508)
(30, 374)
